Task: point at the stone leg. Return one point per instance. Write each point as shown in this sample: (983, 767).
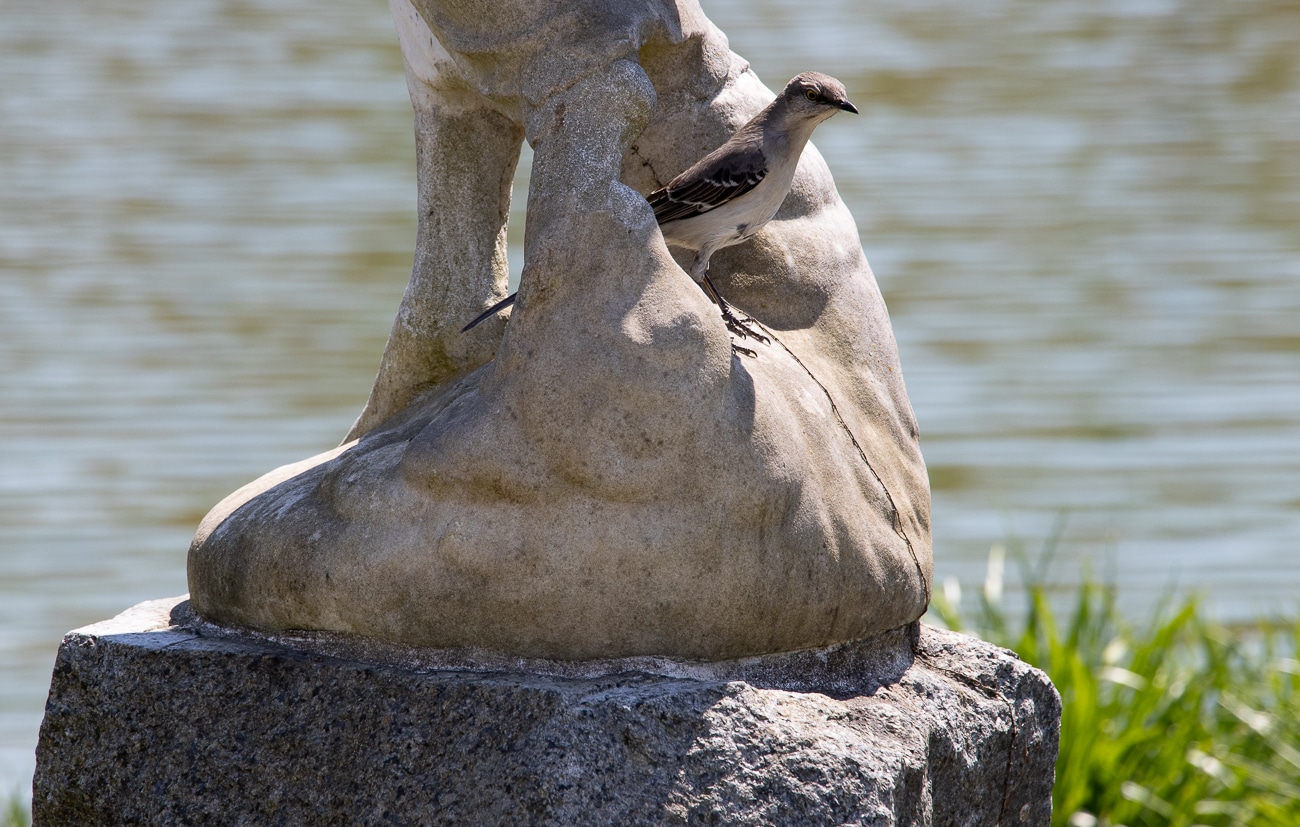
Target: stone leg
(466, 152)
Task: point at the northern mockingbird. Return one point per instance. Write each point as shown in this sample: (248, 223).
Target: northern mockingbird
(729, 194)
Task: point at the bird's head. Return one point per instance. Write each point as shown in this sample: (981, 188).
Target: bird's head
(816, 97)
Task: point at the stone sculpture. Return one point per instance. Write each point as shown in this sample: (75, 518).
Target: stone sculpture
(599, 476)
(587, 566)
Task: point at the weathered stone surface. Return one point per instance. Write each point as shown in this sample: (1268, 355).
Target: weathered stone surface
(601, 477)
(151, 723)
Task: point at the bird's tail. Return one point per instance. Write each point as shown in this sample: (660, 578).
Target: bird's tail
(490, 312)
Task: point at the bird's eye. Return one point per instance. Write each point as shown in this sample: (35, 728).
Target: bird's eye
(810, 95)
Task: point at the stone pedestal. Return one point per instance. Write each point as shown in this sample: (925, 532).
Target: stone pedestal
(155, 718)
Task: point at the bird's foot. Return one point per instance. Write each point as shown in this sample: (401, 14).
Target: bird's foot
(741, 325)
(743, 351)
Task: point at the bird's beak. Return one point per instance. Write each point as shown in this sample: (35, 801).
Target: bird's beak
(848, 107)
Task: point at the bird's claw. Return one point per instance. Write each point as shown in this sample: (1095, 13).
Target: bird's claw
(737, 325)
(743, 351)
(741, 326)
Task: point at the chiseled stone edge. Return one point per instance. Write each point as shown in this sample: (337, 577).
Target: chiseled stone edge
(836, 670)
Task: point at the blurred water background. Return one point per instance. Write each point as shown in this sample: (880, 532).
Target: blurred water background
(1084, 215)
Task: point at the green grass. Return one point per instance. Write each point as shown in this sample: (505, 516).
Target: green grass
(14, 813)
(1180, 721)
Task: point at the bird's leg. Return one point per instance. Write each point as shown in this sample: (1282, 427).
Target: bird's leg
(735, 324)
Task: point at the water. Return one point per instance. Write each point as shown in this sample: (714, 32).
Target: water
(1085, 217)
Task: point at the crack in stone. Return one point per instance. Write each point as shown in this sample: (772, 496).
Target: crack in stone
(994, 694)
(897, 520)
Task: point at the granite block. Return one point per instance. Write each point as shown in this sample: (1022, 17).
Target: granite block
(156, 718)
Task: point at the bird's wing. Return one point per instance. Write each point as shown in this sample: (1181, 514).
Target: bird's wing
(721, 176)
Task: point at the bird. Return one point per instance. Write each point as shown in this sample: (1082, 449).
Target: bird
(731, 193)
